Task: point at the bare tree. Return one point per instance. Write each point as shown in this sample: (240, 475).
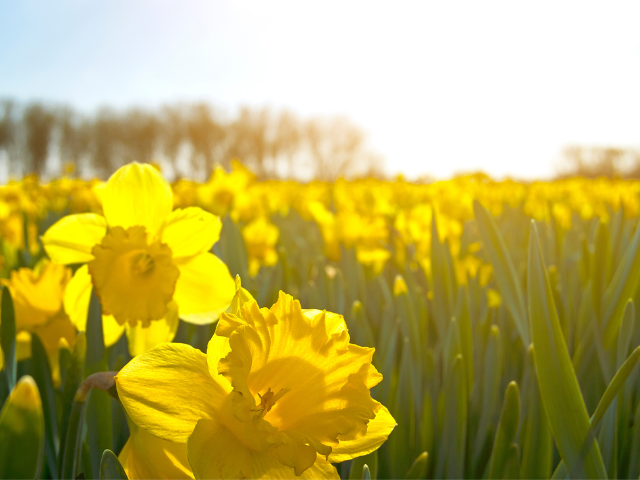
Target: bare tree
(38, 122)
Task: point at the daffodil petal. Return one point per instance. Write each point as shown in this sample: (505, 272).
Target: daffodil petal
(71, 238)
(167, 389)
(111, 330)
(137, 194)
(266, 467)
(146, 456)
(215, 452)
(217, 349)
(77, 296)
(76, 304)
(191, 231)
(142, 339)
(204, 289)
(23, 345)
(378, 430)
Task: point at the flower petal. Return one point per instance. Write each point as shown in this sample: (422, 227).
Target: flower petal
(146, 456)
(215, 452)
(137, 194)
(378, 430)
(190, 231)
(204, 289)
(142, 338)
(217, 349)
(71, 238)
(167, 389)
(76, 303)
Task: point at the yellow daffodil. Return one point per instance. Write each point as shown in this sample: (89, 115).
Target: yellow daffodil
(38, 303)
(260, 237)
(281, 393)
(148, 264)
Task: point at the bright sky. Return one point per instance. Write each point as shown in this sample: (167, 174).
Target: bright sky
(440, 87)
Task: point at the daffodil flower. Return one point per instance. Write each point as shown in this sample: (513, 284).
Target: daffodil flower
(149, 265)
(38, 303)
(281, 393)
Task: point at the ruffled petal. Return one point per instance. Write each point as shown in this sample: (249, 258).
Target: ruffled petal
(145, 456)
(142, 338)
(190, 231)
(204, 289)
(71, 238)
(137, 194)
(167, 389)
(378, 430)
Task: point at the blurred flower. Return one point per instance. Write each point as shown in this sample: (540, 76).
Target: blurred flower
(38, 303)
(260, 238)
(281, 392)
(148, 264)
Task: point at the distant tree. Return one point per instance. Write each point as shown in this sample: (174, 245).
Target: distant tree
(204, 133)
(140, 130)
(105, 140)
(336, 145)
(595, 161)
(38, 122)
(75, 136)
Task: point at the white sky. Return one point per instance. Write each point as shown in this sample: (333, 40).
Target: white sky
(440, 87)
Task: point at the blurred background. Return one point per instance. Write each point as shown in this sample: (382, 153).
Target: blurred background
(325, 89)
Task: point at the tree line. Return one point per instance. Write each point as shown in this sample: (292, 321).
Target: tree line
(186, 139)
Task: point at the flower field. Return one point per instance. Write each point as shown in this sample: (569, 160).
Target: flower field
(241, 328)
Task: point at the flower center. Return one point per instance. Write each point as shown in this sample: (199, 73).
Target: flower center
(269, 399)
(134, 279)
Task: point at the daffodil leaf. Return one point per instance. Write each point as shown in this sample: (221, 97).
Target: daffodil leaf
(506, 433)
(621, 289)
(505, 272)
(42, 376)
(559, 387)
(8, 337)
(110, 467)
(22, 432)
(419, 467)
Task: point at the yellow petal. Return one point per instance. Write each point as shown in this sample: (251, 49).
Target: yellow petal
(111, 330)
(71, 238)
(214, 452)
(146, 456)
(142, 338)
(204, 289)
(378, 430)
(217, 349)
(77, 296)
(76, 303)
(191, 231)
(167, 389)
(23, 345)
(137, 195)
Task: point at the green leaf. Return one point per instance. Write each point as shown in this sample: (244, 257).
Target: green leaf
(359, 463)
(506, 433)
(8, 337)
(419, 468)
(537, 444)
(366, 474)
(110, 467)
(95, 360)
(505, 272)
(492, 367)
(614, 386)
(558, 384)
(42, 376)
(621, 289)
(451, 464)
(22, 432)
